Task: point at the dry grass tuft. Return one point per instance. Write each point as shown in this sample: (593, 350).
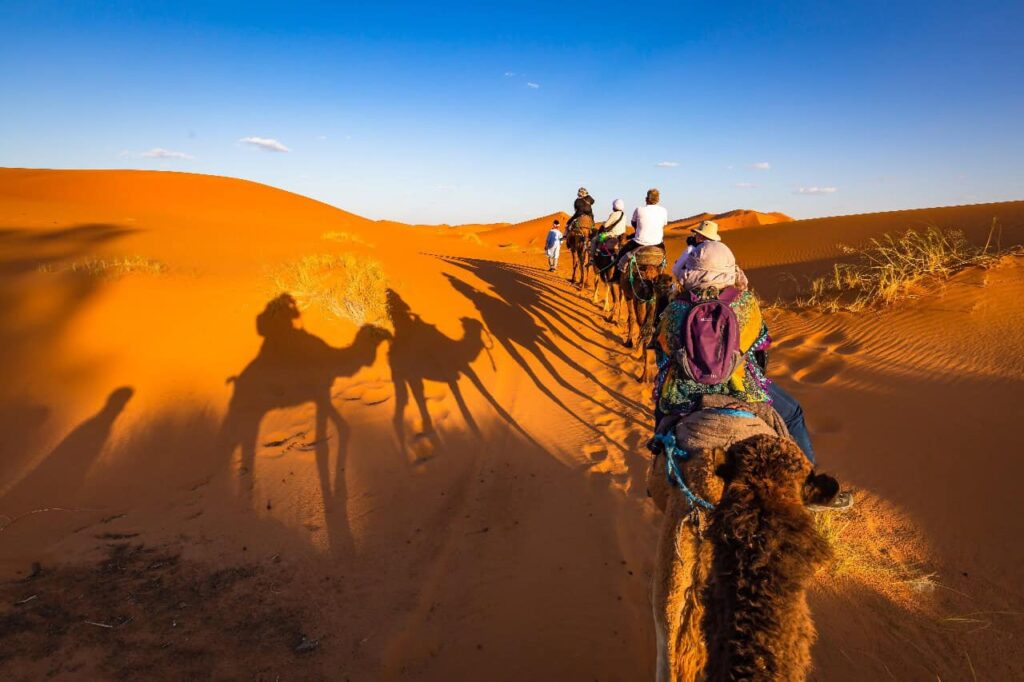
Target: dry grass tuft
(891, 269)
(876, 547)
(346, 238)
(111, 268)
(347, 286)
(473, 238)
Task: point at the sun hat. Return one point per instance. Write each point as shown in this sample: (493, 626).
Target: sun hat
(708, 229)
(618, 205)
(582, 191)
(711, 264)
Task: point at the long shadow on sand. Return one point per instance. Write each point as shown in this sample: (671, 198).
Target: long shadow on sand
(295, 367)
(515, 329)
(522, 288)
(420, 352)
(543, 295)
(59, 476)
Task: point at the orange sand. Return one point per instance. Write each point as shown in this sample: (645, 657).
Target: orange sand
(731, 220)
(512, 540)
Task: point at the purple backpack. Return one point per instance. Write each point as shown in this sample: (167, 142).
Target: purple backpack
(711, 340)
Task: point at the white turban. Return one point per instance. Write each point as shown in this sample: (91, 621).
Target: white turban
(618, 205)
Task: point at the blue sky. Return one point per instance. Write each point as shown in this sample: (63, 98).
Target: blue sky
(476, 111)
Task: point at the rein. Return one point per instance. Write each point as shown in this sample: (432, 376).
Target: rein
(675, 454)
(634, 268)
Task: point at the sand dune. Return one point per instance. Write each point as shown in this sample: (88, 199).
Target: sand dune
(527, 233)
(463, 491)
(731, 220)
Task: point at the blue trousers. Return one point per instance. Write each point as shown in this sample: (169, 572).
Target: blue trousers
(791, 412)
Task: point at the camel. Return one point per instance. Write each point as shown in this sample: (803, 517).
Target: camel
(578, 242)
(293, 367)
(643, 289)
(603, 264)
(729, 588)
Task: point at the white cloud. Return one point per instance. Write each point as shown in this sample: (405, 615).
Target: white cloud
(265, 143)
(509, 74)
(761, 165)
(667, 164)
(816, 190)
(533, 85)
(158, 153)
(746, 185)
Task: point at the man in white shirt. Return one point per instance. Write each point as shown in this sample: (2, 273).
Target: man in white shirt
(649, 222)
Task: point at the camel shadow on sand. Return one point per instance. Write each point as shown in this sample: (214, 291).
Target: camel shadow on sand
(420, 352)
(294, 367)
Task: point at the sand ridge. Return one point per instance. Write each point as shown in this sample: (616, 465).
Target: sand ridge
(498, 520)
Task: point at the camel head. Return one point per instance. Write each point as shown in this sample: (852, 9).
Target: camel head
(763, 536)
(773, 466)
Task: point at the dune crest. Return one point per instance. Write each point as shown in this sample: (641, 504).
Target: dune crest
(457, 484)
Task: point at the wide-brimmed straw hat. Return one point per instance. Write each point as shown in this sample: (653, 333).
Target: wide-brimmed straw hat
(708, 229)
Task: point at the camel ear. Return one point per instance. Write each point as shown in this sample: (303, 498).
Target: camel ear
(724, 467)
(819, 488)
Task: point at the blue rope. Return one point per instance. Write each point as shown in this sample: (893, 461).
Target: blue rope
(674, 454)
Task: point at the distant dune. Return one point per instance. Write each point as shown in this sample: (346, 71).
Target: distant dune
(731, 220)
(458, 491)
(527, 233)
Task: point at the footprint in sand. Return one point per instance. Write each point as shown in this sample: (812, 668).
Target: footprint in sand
(371, 393)
(839, 342)
(822, 372)
(791, 342)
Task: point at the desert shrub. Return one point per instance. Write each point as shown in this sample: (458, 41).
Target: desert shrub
(892, 268)
(114, 267)
(876, 547)
(345, 238)
(346, 286)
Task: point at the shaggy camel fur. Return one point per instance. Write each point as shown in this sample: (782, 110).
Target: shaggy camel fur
(729, 590)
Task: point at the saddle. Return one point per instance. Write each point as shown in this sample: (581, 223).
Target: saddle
(645, 256)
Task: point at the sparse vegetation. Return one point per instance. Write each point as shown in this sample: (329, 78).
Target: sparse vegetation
(345, 238)
(346, 286)
(118, 266)
(890, 269)
(875, 547)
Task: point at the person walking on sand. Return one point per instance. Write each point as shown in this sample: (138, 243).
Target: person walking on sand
(649, 223)
(553, 244)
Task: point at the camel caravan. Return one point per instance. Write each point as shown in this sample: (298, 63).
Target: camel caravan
(732, 466)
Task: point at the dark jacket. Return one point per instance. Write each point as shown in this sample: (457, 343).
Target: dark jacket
(584, 206)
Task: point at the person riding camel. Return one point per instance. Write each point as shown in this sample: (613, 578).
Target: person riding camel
(583, 218)
(706, 231)
(710, 273)
(710, 276)
(613, 228)
(649, 223)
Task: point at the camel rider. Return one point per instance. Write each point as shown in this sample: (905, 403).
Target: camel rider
(710, 271)
(649, 223)
(613, 228)
(584, 211)
(706, 231)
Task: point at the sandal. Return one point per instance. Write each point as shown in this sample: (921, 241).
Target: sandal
(841, 502)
